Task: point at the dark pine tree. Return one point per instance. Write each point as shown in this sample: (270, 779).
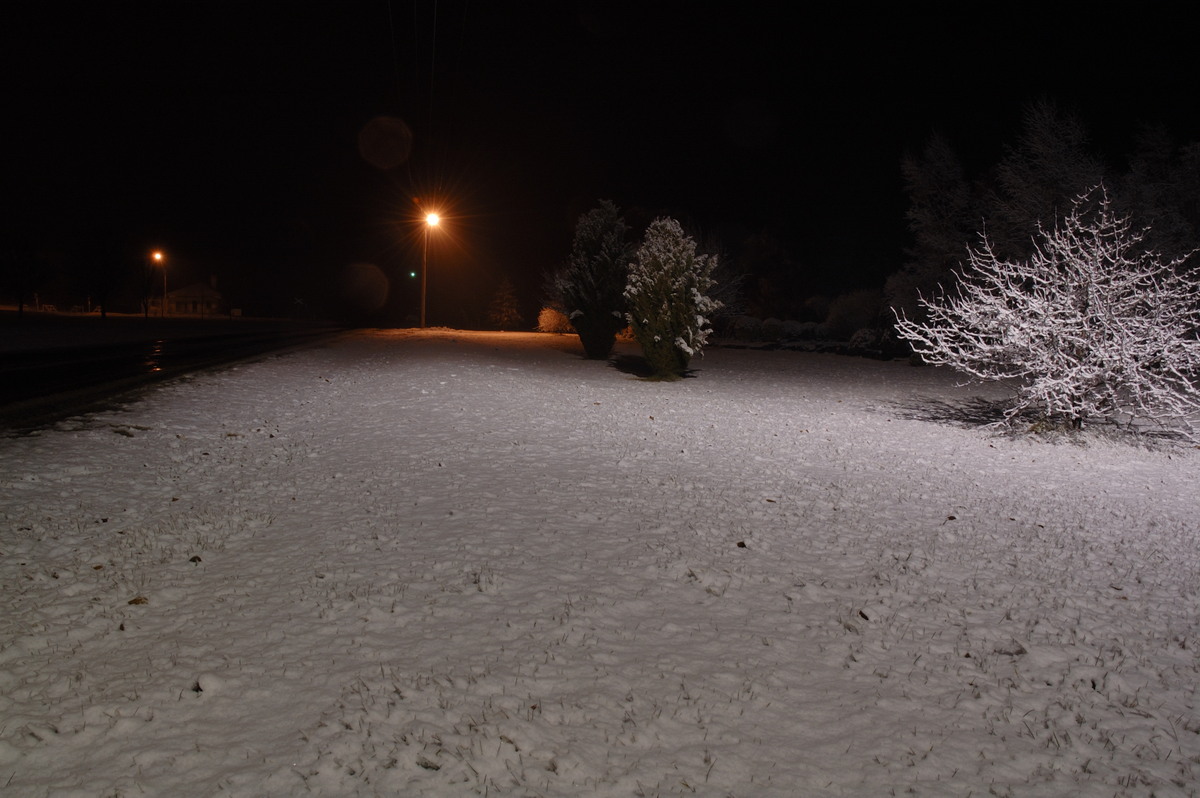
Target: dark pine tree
(503, 313)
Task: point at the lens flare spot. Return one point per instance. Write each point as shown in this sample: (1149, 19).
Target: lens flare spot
(364, 287)
(385, 142)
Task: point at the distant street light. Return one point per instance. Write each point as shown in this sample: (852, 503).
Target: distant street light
(431, 221)
(155, 258)
(158, 261)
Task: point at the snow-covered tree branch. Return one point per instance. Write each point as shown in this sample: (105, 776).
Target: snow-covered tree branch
(1091, 325)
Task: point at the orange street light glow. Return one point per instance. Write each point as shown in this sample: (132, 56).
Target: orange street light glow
(431, 220)
(157, 257)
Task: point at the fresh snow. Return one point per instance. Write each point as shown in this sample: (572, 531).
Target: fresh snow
(458, 563)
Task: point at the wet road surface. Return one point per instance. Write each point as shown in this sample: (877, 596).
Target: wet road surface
(64, 376)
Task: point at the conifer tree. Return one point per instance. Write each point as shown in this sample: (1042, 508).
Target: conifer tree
(503, 312)
(1049, 166)
(668, 296)
(592, 283)
(942, 218)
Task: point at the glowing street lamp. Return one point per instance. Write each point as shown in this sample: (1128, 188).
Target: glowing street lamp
(156, 258)
(431, 221)
(158, 261)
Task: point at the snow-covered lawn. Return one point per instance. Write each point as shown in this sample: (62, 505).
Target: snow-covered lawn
(450, 563)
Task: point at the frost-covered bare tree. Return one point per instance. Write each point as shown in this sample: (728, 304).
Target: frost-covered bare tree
(670, 306)
(1091, 326)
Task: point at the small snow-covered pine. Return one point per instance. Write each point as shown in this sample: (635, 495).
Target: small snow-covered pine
(667, 293)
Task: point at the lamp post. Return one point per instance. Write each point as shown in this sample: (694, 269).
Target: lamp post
(431, 221)
(158, 261)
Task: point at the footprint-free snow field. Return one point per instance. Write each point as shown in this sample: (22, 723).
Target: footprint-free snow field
(452, 563)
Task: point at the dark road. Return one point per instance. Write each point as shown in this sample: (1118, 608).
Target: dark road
(51, 370)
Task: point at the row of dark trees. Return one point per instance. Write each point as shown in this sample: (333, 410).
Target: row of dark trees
(105, 278)
(1051, 163)
(1036, 178)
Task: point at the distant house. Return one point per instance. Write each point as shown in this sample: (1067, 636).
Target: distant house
(198, 299)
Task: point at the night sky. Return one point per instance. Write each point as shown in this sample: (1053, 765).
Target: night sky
(230, 135)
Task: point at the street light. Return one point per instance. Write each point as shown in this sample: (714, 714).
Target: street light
(158, 261)
(431, 221)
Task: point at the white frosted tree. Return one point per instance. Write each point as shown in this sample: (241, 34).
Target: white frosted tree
(667, 296)
(1091, 326)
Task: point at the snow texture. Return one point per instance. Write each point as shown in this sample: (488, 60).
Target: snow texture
(448, 563)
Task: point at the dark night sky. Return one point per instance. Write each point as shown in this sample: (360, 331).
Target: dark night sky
(228, 134)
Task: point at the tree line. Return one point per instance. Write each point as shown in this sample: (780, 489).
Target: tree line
(1036, 181)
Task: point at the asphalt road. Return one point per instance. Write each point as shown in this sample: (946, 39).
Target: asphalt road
(55, 367)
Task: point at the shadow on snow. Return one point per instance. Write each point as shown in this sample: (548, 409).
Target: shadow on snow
(639, 367)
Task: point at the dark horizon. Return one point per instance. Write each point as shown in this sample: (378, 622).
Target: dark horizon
(229, 137)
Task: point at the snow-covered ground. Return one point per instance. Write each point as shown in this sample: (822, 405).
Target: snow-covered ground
(450, 563)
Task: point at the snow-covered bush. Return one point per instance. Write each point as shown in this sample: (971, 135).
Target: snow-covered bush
(866, 339)
(794, 330)
(816, 308)
(554, 321)
(811, 331)
(746, 328)
(1091, 325)
(591, 285)
(772, 329)
(667, 292)
(850, 312)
